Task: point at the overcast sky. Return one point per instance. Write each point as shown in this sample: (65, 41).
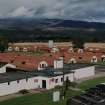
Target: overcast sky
(90, 10)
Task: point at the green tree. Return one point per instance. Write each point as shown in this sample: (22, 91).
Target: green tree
(78, 43)
(3, 44)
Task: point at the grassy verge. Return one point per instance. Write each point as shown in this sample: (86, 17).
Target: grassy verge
(91, 83)
(38, 99)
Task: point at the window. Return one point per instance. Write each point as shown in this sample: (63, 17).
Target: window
(52, 80)
(94, 52)
(40, 66)
(23, 62)
(12, 61)
(61, 79)
(67, 78)
(56, 81)
(26, 79)
(50, 55)
(43, 65)
(18, 81)
(36, 80)
(8, 83)
(80, 57)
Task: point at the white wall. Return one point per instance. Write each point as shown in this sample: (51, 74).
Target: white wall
(3, 69)
(51, 85)
(36, 82)
(14, 87)
(42, 63)
(10, 49)
(84, 72)
(58, 64)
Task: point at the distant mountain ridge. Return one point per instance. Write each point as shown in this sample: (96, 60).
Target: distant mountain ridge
(30, 29)
(31, 23)
(80, 24)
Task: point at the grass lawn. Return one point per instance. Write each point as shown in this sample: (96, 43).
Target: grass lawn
(46, 97)
(91, 83)
(37, 99)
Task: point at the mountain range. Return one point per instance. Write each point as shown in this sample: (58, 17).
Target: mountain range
(31, 29)
(31, 23)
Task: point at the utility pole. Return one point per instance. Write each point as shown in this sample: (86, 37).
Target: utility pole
(63, 88)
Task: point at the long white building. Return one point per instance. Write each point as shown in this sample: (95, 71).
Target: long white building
(14, 80)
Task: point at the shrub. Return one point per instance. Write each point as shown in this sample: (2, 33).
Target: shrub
(24, 91)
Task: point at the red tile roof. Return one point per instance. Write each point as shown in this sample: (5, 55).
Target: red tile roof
(27, 62)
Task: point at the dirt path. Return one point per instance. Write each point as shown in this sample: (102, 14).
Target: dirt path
(2, 98)
(15, 95)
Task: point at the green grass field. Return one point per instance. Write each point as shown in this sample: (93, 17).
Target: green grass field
(46, 97)
(91, 83)
(38, 99)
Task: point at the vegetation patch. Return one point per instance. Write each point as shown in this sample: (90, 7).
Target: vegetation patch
(91, 83)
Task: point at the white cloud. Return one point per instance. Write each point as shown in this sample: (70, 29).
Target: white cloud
(21, 11)
(66, 9)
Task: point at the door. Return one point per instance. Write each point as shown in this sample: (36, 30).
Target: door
(44, 84)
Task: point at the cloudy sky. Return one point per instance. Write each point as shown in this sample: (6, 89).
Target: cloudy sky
(90, 10)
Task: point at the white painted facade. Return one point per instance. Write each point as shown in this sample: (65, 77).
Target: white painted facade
(72, 60)
(42, 65)
(70, 50)
(31, 83)
(51, 44)
(84, 72)
(3, 69)
(94, 59)
(58, 80)
(51, 82)
(80, 51)
(14, 86)
(58, 64)
(10, 48)
(54, 49)
(25, 49)
(103, 58)
(17, 49)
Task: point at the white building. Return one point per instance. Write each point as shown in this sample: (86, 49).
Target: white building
(3, 67)
(58, 64)
(10, 48)
(72, 60)
(17, 49)
(84, 72)
(94, 59)
(25, 49)
(12, 82)
(54, 49)
(42, 65)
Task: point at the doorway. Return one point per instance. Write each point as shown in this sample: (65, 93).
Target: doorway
(44, 84)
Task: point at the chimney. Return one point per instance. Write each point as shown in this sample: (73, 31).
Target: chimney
(58, 63)
(51, 44)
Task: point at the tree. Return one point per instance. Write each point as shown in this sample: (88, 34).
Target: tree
(78, 43)
(66, 87)
(3, 44)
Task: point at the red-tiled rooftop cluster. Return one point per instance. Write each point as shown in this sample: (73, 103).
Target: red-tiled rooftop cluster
(27, 62)
(31, 62)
